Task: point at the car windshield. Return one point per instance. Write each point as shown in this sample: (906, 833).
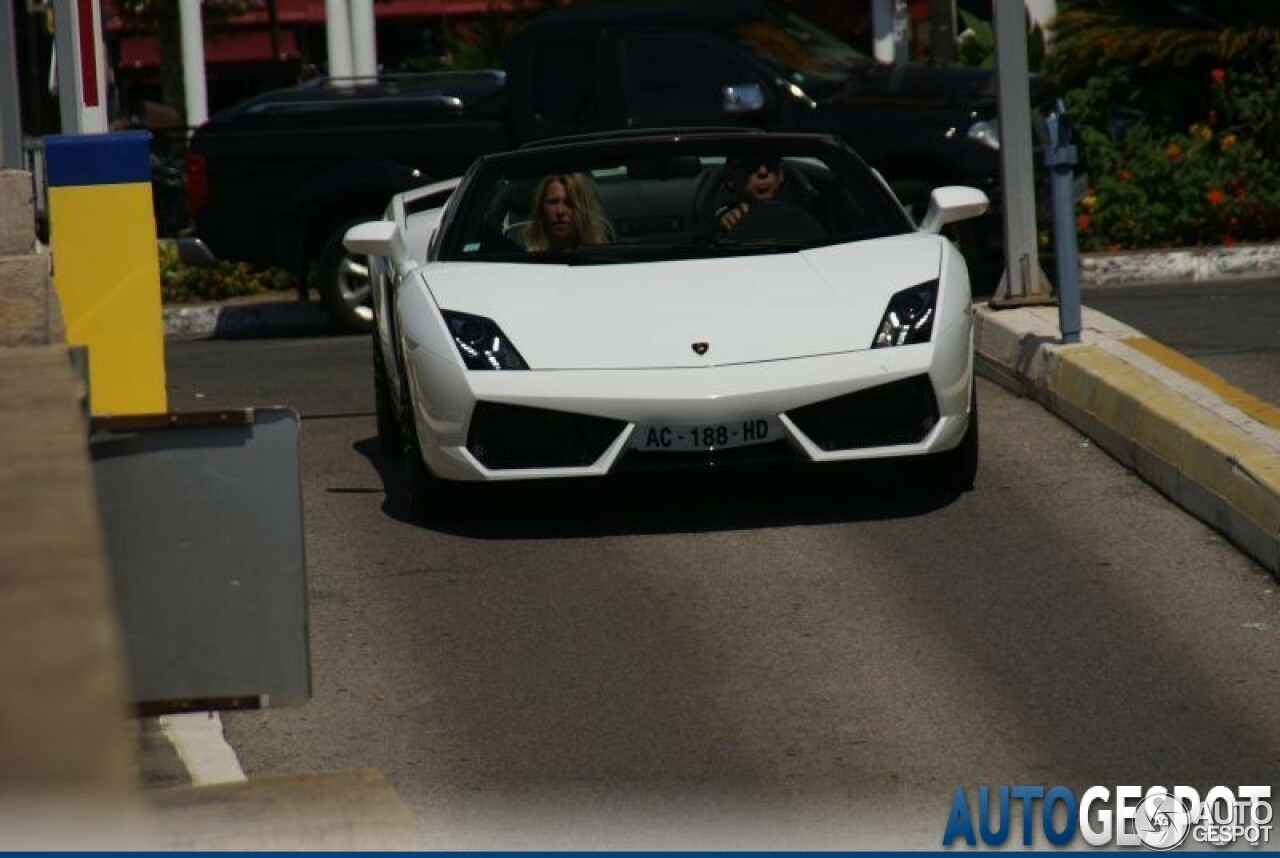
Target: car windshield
(665, 199)
(804, 53)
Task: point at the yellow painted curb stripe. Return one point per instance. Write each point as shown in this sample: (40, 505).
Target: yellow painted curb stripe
(1196, 443)
(1258, 409)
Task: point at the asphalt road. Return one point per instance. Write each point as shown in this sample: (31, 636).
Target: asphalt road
(810, 661)
(1230, 326)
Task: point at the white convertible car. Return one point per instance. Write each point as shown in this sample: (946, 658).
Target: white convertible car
(604, 305)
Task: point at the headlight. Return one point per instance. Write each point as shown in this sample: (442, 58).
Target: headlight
(986, 132)
(481, 342)
(909, 318)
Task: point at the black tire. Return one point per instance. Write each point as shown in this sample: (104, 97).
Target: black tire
(342, 279)
(390, 436)
(956, 470)
(427, 496)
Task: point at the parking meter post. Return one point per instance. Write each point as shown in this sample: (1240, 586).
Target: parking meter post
(1060, 158)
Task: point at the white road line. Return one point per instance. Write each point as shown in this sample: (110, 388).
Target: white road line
(198, 739)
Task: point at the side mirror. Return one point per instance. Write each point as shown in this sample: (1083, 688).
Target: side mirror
(379, 238)
(953, 203)
(739, 98)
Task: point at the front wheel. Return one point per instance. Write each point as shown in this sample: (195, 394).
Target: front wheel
(342, 279)
(427, 495)
(956, 470)
(390, 436)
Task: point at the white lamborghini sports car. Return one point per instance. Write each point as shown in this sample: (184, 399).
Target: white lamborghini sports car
(818, 325)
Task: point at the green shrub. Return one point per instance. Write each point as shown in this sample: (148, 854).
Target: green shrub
(1174, 105)
(180, 283)
(1213, 182)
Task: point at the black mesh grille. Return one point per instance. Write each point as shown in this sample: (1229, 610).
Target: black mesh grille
(902, 412)
(514, 436)
(761, 454)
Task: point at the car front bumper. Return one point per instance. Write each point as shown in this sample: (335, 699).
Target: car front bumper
(618, 404)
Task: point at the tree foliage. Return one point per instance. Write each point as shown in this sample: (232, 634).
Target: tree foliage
(976, 45)
(484, 42)
(1159, 35)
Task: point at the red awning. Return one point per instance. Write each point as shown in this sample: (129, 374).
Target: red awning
(245, 46)
(298, 11)
(312, 11)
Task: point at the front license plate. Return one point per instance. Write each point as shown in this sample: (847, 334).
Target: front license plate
(713, 436)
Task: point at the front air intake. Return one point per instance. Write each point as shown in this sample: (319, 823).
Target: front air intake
(902, 412)
(506, 437)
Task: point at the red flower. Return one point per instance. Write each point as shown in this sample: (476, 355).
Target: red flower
(1228, 240)
(1218, 75)
(1125, 175)
(1083, 222)
(1215, 196)
(1174, 151)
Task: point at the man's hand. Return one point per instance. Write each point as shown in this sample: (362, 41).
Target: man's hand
(730, 217)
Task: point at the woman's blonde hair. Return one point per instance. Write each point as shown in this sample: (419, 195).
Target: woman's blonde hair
(580, 191)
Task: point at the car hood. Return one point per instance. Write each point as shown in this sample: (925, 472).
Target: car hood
(658, 314)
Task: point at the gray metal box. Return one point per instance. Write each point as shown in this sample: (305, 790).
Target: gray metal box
(202, 516)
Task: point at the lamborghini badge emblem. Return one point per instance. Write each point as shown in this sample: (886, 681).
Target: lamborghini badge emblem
(700, 348)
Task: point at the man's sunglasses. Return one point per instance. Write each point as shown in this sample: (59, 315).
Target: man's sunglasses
(753, 165)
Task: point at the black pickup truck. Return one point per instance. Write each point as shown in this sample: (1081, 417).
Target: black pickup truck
(276, 179)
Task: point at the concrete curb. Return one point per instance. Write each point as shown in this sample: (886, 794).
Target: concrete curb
(1211, 448)
(1190, 265)
(238, 321)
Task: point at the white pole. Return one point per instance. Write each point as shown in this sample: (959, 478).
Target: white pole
(11, 154)
(337, 21)
(1023, 279)
(882, 36)
(82, 73)
(901, 32)
(195, 89)
(364, 38)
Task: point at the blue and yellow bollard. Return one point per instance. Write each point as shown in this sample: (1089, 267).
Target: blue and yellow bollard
(106, 268)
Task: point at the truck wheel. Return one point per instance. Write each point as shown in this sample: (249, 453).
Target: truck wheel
(342, 279)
